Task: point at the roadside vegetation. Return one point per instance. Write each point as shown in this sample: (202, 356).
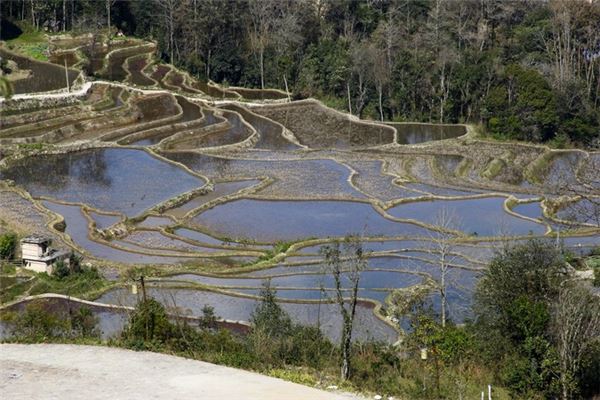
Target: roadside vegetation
(535, 334)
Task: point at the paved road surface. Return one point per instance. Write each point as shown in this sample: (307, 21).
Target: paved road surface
(89, 372)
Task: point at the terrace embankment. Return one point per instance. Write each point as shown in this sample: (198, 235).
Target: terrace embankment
(209, 195)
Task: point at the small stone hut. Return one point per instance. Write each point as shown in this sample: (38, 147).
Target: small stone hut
(38, 256)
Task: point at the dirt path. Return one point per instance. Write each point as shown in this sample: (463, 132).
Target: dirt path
(89, 372)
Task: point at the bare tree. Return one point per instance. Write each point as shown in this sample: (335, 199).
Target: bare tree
(443, 53)
(287, 35)
(579, 180)
(263, 18)
(381, 76)
(345, 261)
(441, 245)
(576, 325)
(362, 55)
(168, 9)
(109, 4)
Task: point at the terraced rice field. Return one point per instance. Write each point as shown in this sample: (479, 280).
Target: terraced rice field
(150, 166)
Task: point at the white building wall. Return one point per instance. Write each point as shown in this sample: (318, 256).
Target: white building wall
(31, 250)
(37, 266)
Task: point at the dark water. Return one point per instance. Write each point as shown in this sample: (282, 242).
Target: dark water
(270, 221)
(368, 280)
(103, 221)
(121, 180)
(531, 210)
(220, 190)
(484, 217)
(367, 325)
(411, 133)
(78, 231)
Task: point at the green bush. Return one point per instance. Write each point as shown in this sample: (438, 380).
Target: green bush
(74, 281)
(37, 323)
(41, 321)
(148, 323)
(8, 245)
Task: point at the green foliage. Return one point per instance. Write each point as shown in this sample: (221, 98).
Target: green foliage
(148, 326)
(63, 269)
(526, 319)
(268, 317)
(84, 323)
(41, 321)
(278, 248)
(69, 281)
(276, 341)
(325, 69)
(208, 319)
(37, 323)
(32, 146)
(521, 307)
(529, 273)
(529, 113)
(6, 88)
(32, 43)
(8, 245)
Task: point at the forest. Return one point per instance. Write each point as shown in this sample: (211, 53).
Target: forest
(522, 70)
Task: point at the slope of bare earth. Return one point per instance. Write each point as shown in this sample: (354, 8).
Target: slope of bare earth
(88, 372)
(19, 214)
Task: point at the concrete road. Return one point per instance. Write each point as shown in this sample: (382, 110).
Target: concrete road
(49, 371)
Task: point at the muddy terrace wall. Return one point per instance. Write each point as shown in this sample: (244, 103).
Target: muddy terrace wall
(44, 76)
(320, 127)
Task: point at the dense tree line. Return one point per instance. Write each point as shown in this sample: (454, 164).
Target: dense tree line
(526, 70)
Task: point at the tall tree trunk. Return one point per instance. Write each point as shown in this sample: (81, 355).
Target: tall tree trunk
(349, 98)
(64, 16)
(443, 271)
(108, 15)
(33, 14)
(262, 67)
(380, 92)
(346, 346)
(208, 64)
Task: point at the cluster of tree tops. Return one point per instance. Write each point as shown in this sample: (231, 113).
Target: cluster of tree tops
(526, 70)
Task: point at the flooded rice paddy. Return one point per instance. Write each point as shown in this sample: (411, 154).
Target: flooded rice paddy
(189, 180)
(120, 180)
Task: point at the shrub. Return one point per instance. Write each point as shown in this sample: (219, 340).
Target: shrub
(208, 321)
(37, 323)
(148, 323)
(8, 245)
